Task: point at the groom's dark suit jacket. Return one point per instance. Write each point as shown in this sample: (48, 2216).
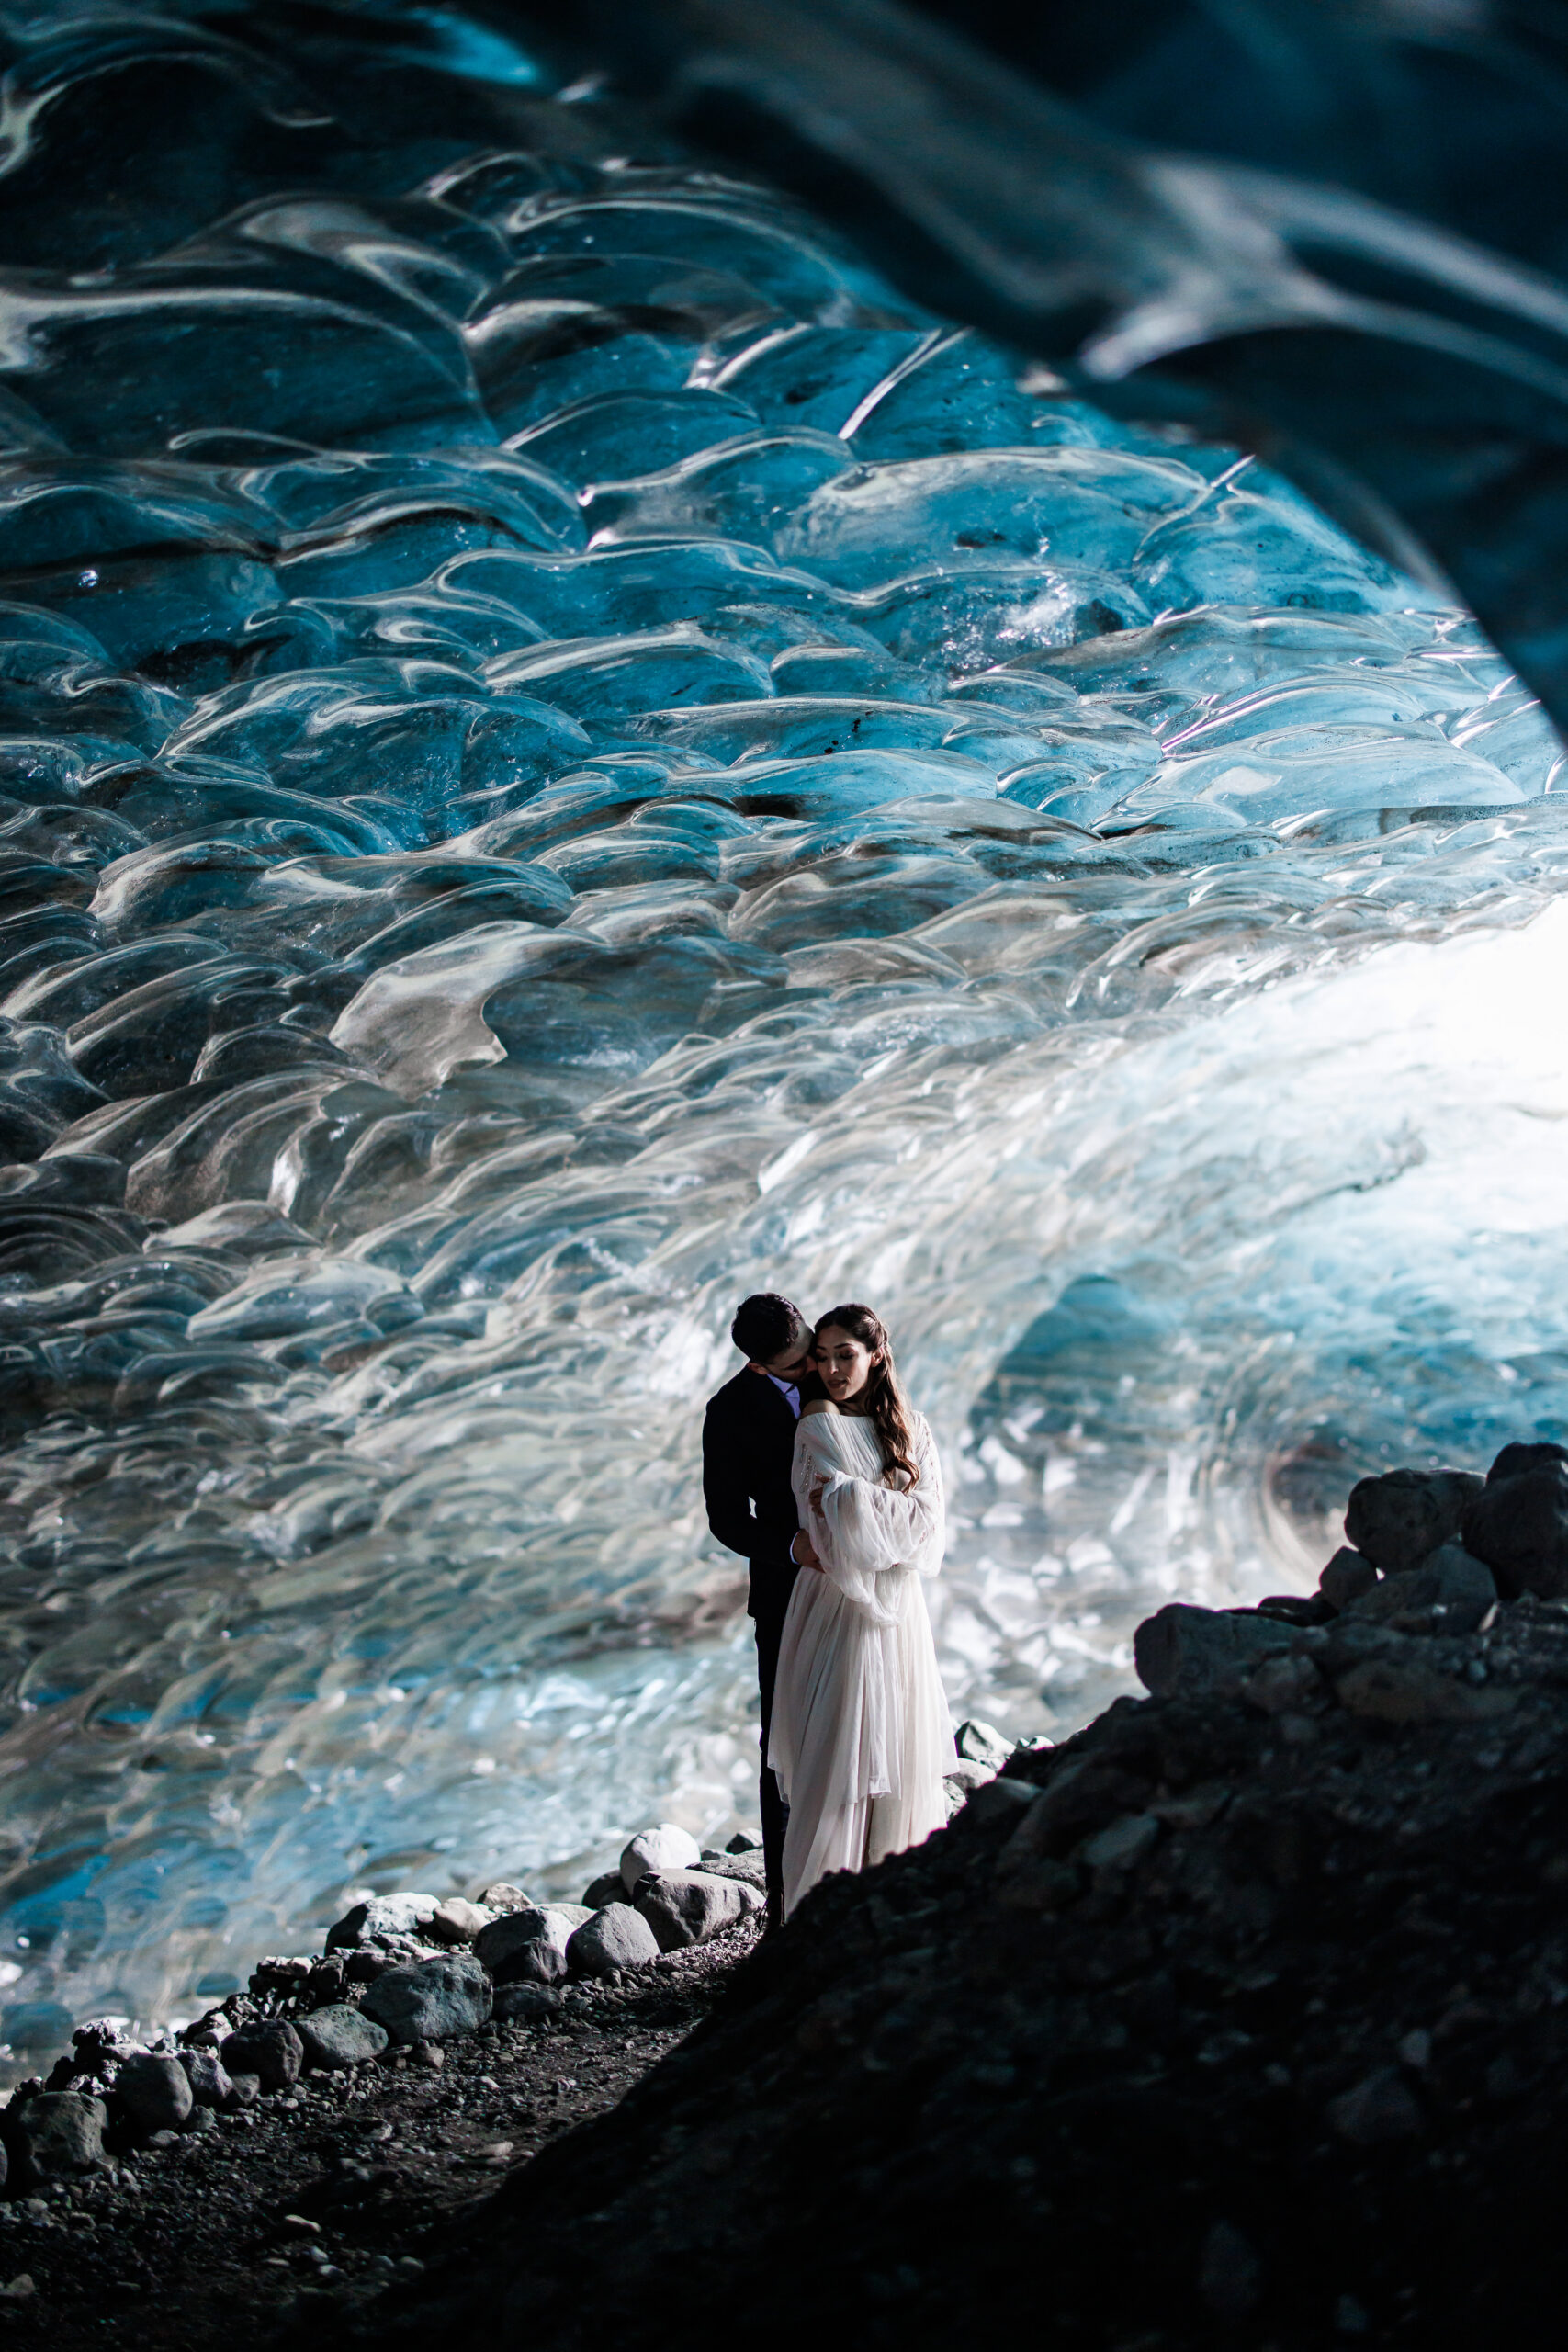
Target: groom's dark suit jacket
(748, 1446)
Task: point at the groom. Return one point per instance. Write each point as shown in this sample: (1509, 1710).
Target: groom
(748, 1447)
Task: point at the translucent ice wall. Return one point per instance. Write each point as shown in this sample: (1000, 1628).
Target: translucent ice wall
(567, 756)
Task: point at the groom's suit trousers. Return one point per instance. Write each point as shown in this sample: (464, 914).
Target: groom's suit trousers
(748, 1447)
(771, 1805)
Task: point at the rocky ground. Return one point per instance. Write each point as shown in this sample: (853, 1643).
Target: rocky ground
(1240, 2019)
(328, 2198)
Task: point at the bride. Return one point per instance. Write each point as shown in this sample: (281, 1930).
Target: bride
(860, 1736)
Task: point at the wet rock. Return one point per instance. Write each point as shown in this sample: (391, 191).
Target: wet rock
(383, 1917)
(52, 2136)
(529, 1946)
(608, 1887)
(155, 2092)
(982, 1743)
(430, 2000)
(1518, 1526)
(245, 2089)
(1449, 1593)
(502, 1895)
(1199, 1652)
(664, 1847)
(1380, 2110)
(615, 1938)
(1347, 1576)
(455, 1922)
(1396, 1520)
(339, 2037)
(209, 2081)
(743, 1842)
(688, 1907)
(270, 2048)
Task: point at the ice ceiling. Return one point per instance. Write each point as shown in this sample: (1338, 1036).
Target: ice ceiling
(567, 755)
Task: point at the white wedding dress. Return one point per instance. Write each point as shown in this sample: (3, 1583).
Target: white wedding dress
(860, 1736)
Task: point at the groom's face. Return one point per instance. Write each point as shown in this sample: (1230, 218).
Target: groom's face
(794, 1361)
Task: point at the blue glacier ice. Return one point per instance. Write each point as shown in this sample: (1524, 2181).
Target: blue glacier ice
(566, 754)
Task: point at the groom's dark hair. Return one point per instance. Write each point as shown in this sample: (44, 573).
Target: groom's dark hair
(765, 1325)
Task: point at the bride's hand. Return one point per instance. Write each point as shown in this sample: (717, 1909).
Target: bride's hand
(818, 1490)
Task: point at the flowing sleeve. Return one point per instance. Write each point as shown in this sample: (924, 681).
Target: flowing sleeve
(870, 1538)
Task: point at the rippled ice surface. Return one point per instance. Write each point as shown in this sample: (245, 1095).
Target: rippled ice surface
(566, 757)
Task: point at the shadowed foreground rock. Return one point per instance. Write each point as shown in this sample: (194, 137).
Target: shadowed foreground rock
(1240, 2018)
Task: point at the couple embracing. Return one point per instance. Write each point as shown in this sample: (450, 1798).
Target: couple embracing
(817, 1471)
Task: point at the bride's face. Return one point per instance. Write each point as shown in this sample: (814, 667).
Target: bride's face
(845, 1363)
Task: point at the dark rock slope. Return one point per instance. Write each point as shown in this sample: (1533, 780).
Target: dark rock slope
(1240, 2018)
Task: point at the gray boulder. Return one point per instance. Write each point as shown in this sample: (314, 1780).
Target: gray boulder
(455, 1923)
(1347, 1576)
(983, 1743)
(1404, 1690)
(1397, 1520)
(339, 2036)
(502, 1895)
(1449, 1593)
(525, 2004)
(608, 1887)
(207, 2076)
(245, 2089)
(663, 1848)
(747, 1866)
(430, 2000)
(1377, 2110)
(616, 1937)
(383, 1917)
(1516, 1459)
(54, 2135)
(1518, 1526)
(999, 1802)
(154, 2091)
(1123, 1843)
(271, 2050)
(529, 1946)
(1199, 1651)
(688, 1907)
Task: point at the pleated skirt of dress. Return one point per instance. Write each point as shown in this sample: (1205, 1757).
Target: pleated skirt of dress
(860, 1736)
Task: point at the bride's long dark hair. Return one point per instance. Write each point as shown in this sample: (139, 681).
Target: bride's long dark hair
(885, 1403)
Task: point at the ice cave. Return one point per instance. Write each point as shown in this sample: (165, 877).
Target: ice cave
(570, 750)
